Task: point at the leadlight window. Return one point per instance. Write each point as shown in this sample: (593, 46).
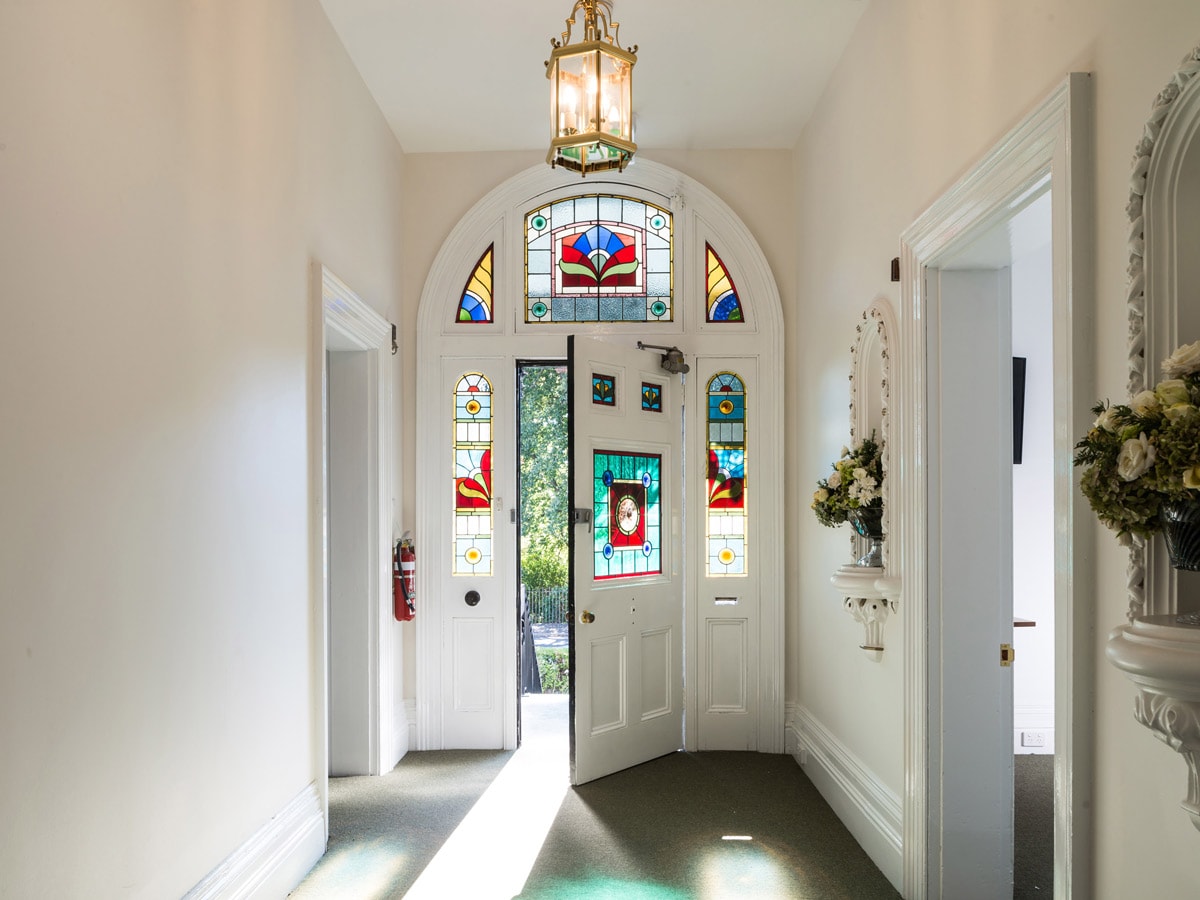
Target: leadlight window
(476, 303)
(627, 514)
(598, 258)
(473, 476)
(723, 302)
(726, 475)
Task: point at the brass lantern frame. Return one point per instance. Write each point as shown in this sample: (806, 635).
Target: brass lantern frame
(583, 138)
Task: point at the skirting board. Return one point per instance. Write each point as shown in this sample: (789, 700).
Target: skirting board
(275, 859)
(870, 810)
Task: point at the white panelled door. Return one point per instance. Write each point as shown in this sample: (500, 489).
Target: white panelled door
(626, 560)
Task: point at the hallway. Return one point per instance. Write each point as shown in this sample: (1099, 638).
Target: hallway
(707, 825)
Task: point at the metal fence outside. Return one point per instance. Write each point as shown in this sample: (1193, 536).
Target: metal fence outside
(547, 605)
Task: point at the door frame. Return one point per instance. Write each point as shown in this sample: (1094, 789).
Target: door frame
(498, 218)
(1055, 139)
(342, 321)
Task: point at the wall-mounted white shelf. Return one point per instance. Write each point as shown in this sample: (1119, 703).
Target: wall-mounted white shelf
(1162, 658)
(870, 596)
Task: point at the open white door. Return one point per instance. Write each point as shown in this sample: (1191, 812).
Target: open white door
(971, 558)
(626, 583)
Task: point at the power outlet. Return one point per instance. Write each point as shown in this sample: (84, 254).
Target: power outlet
(1033, 739)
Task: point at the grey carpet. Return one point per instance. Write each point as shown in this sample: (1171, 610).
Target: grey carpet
(1033, 826)
(655, 832)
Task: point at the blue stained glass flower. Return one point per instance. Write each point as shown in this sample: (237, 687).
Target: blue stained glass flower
(646, 479)
(647, 548)
(607, 478)
(598, 238)
(607, 551)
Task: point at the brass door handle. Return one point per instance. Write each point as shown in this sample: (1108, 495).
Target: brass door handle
(587, 618)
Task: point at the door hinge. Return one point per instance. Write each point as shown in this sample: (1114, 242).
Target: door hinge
(582, 516)
(1007, 655)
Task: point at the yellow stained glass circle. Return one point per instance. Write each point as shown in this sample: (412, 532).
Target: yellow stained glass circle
(726, 556)
(473, 556)
(473, 407)
(726, 406)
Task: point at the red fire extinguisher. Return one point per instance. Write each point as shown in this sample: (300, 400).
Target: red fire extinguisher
(404, 578)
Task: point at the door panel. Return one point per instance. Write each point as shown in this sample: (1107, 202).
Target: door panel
(472, 560)
(971, 504)
(627, 590)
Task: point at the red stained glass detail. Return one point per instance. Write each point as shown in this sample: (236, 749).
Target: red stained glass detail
(475, 493)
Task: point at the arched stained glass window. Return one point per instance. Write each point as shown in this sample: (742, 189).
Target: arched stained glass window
(476, 302)
(726, 475)
(598, 259)
(473, 476)
(723, 302)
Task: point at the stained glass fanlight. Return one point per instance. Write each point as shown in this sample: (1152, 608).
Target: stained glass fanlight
(473, 476)
(476, 302)
(723, 302)
(598, 258)
(726, 475)
(591, 94)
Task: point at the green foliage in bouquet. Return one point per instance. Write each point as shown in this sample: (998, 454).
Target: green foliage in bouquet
(856, 482)
(1140, 455)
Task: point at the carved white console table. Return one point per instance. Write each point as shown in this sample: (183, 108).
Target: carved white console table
(1163, 659)
(870, 597)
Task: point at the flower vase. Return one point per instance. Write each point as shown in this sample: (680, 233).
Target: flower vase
(1181, 529)
(868, 523)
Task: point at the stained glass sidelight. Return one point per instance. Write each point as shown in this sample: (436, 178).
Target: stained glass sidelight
(473, 476)
(723, 302)
(726, 475)
(598, 258)
(476, 302)
(627, 513)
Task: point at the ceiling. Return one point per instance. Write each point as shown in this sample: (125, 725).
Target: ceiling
(460, 75)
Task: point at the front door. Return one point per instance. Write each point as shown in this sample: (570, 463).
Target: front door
(626, 557)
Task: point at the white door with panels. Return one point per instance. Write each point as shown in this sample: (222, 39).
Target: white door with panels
(626, 557)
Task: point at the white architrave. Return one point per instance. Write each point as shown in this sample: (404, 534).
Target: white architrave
(498, 217)
(344, 321)
(1156, 251)
(1055, 140)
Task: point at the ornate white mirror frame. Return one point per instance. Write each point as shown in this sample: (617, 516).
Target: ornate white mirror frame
(1164, 215)
(871, 593)
(1161, 656)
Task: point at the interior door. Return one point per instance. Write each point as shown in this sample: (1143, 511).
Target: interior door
(626, 419)
(971, 496)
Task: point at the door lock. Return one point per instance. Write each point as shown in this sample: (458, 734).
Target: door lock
(1007, 655)
(587, 618)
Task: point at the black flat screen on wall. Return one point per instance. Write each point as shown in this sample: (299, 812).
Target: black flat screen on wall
(1018, 406)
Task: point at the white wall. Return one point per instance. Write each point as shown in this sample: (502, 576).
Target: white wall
(167, 172)
(924, 89)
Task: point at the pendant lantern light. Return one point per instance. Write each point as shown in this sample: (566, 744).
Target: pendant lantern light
(591, 94)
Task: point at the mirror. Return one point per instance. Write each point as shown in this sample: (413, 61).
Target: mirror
(870, 369)
(1164, 280)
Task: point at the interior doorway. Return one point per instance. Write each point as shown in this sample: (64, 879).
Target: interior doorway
(543, 613)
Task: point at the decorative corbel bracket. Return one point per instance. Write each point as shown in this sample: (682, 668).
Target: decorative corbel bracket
(871, 597)
(1163, 659)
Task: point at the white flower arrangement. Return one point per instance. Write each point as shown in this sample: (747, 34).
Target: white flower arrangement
(855, 483)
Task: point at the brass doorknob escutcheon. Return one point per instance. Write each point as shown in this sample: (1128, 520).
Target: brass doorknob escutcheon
(587, 618)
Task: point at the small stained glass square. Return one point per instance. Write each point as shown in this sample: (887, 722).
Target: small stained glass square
(604, 389)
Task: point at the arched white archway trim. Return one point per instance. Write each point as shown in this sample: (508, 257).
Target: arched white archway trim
(699, 213)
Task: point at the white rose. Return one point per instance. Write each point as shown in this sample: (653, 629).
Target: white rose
(1143, 404)
(860, 474)
(1136, 456)
(835, 479)
(1183, 361)
(1107, 420)
(821, 495)
(1177, 411)
(1171, 392)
